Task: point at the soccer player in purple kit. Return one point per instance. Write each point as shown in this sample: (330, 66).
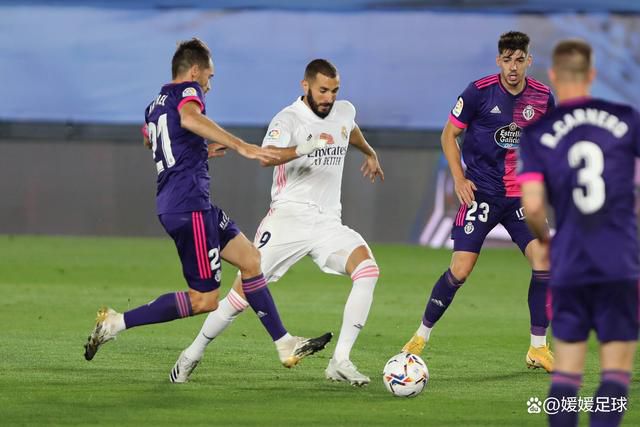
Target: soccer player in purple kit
(582, 156)
(493, 110)
(177, 132)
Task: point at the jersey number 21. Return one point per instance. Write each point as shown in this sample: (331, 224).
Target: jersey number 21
(161, 130)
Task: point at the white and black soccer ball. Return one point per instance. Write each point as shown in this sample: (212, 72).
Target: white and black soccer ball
(405, 375)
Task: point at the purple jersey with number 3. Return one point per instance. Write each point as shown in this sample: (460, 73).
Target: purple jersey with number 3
(585, 152)
(180, 155)
(493, 119)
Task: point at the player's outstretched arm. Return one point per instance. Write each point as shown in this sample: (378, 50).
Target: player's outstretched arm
(464, 188)
(302, 149)
(285, 156)
(371, 167)
(194, 121)
(216, 150)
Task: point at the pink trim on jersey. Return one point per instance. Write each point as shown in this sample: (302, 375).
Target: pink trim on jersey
(205, 255)
(196, 240)
(512, 189)
(281, 178)
(236, 302)
(145, 131)
(461, 213)
(486, 81)
(530, 176)
(201, 245)
(370, 271)
(535, 84)
(189, 99)
(457, 123)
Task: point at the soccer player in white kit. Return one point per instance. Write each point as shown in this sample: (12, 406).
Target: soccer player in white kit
(313, 135)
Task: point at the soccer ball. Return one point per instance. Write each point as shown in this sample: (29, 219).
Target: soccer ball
(405, 375)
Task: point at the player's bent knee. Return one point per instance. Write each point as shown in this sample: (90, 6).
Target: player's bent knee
(250, 265)
(461, 272)
(203, 302)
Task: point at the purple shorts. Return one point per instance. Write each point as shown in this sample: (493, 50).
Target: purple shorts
(200, 237)
(472, 224)
(611, 309)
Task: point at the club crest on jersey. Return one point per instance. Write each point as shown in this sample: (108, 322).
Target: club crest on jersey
(345, 134)
(274, 134)
(468, 228)
(528, 112)
(457, 110)
(190, 91)
(508, 136)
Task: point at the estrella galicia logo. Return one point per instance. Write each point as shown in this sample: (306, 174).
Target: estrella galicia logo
(508, 136)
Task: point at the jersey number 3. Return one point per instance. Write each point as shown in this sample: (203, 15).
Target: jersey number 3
(161, 130)
(590, 196)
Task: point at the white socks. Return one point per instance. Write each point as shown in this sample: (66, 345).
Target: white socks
(357, 307)
(118, 323)
(424, 332)
(216, 322)
(538, 341)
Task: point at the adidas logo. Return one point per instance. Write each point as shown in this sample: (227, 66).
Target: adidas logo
(261, 314)
(437, 302)
(496, 110)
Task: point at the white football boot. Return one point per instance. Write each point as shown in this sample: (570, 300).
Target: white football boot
(346, 371)
(295, 349)
(182, 369)
(103, 332)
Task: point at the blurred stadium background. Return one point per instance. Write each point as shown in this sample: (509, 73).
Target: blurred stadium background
(78, 74)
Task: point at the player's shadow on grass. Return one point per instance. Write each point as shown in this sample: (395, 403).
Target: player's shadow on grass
(480, 378)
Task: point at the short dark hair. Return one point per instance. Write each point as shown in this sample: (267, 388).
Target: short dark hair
(189, 53)
(321, 66)
(572, 58)
(512, 41)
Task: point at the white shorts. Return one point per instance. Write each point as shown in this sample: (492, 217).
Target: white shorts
(292, 230)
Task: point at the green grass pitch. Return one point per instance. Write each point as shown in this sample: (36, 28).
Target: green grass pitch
(52, 286)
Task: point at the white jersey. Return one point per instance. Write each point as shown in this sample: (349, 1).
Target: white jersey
(316, 178)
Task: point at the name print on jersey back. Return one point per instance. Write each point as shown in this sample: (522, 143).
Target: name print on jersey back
(591, 145)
